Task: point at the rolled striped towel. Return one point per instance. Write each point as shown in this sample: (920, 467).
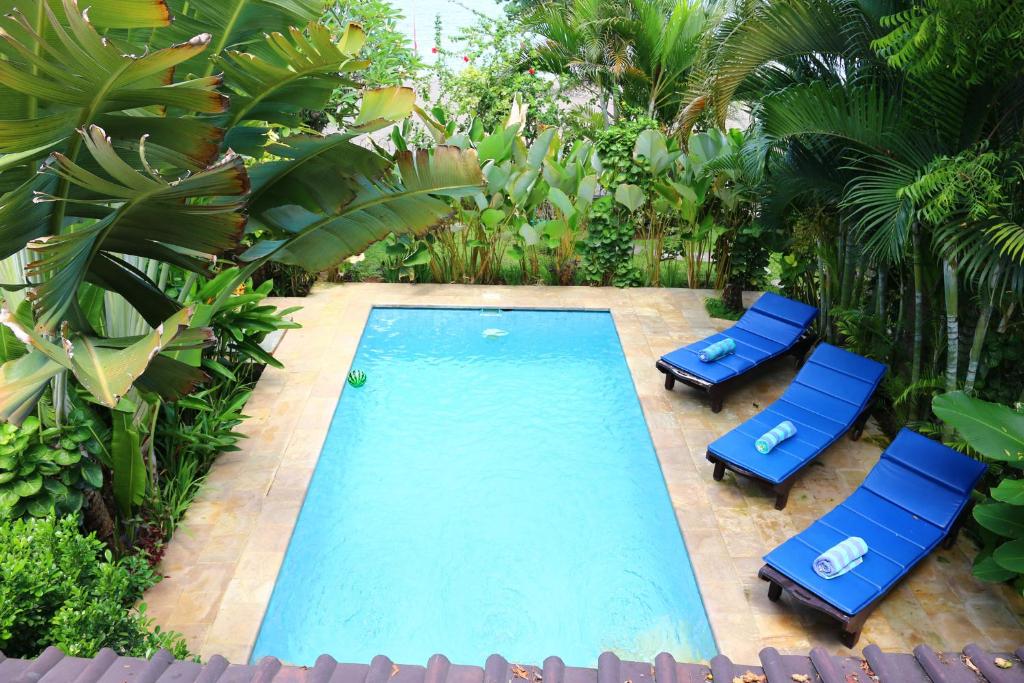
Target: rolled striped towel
(713, 352)
(773, 437)
(840, 558)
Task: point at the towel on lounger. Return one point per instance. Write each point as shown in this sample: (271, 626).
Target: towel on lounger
(713, 352)
(840, 558)
(772, 438)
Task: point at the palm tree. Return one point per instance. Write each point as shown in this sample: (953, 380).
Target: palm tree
(585, 38)
(854, 121)
(637, 52)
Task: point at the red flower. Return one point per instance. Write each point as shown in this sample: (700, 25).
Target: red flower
(434, 50)
(532, 71)
(465, 59)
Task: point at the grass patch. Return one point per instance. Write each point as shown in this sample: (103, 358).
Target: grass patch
(717, 309)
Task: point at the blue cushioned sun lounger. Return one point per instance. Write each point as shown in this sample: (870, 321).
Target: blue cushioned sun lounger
(829, 396)
(913, 499)
(772, 327)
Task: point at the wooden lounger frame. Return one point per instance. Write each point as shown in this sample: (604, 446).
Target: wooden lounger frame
(716, 391)
(852, 624)
(782, 488)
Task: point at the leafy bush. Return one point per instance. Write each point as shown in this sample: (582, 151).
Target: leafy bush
(717, 309)
(608, 247)
(62, 588)
(615, 145)
(493, 75)
(46, 470)
(997, 434)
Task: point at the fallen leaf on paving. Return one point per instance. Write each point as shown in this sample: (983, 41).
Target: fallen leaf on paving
(1003, 663)
(970, 665)
(801, 678)
(750, 677)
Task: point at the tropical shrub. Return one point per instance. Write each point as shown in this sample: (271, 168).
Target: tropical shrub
(635, 54)
(913, 217)
(996, 433)
(608, 246)
(47, 469)
(64, 589)
(533, 207)
(491, 73)
(394, 62)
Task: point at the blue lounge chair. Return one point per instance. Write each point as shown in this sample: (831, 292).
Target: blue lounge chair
(914, 498)
(829, 396)
(772, 327)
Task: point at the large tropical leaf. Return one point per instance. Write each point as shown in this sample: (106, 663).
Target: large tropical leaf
(236, 24)
(994, 430)
(298, 70)
(129, 480)
(66, 75)
(867, 117)
(117, 14)
(108, 368)
(141, 210)
(316, 240)
(883, 215)
(779, 31)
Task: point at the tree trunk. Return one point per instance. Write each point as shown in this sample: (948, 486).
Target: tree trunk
(98, 517)
(915, 363)
(602, 101)
(880, 293)
(980, 332)
(732, 296)
(823, 299)
(951, 286)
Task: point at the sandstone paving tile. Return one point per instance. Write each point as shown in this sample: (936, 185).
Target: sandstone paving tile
(195, 634)
(196, 608)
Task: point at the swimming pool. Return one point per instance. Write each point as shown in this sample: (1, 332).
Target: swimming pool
(492, 488)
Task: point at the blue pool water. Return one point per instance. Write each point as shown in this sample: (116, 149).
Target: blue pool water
(492, 488)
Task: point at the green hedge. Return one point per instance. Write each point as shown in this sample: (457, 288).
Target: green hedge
(58, 587)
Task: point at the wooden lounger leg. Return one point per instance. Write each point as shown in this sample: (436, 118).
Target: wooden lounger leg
(719, 471)
(670, 381)
(782, 494)
(858, 426)
(774, 591)
(853, 627)
(850, 638)
(715, 394)
(950, 540)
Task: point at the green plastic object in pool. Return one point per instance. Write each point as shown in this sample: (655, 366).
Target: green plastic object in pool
(357, 378)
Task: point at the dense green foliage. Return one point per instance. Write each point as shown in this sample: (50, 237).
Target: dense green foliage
(64, 589)
(865, 157)
(43, 470)
(996, 434)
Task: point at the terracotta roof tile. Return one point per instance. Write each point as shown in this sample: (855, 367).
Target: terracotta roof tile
(972, 665)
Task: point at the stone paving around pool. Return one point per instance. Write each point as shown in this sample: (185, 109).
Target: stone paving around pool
(221, 565)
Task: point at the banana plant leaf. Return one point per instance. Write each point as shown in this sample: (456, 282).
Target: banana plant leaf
(316, 240)
(143, 209)
(129, 480)
(64, 73)
(107, 368)
(295, 71)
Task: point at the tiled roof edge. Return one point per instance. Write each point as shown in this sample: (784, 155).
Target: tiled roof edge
(924, 665)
